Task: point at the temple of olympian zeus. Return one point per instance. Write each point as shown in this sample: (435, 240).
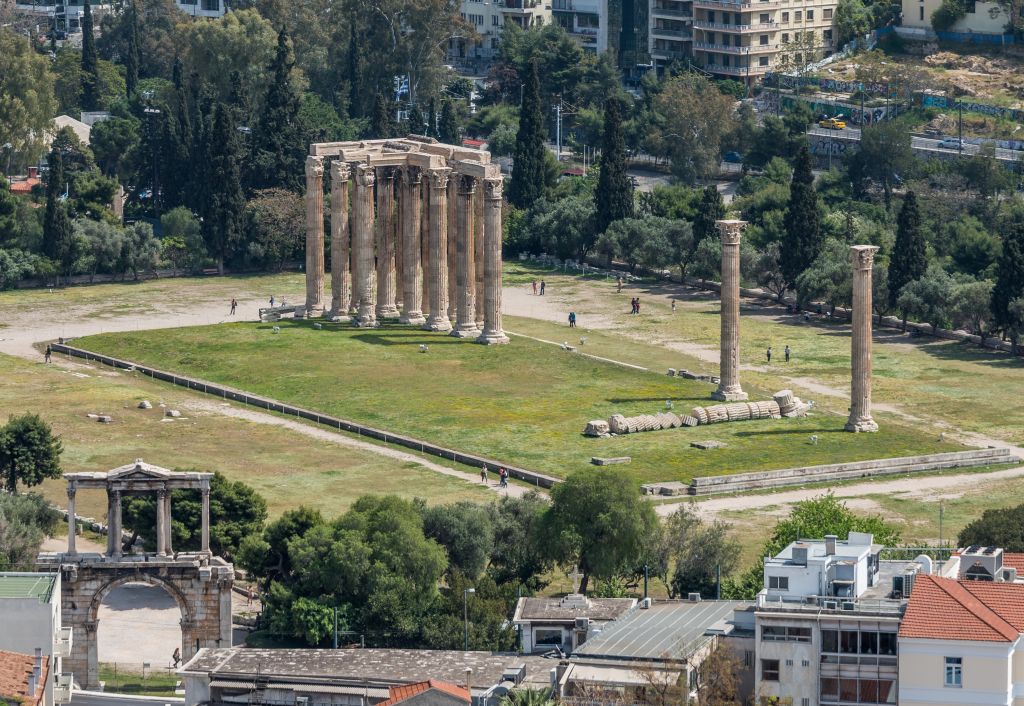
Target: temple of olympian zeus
(415, 236)
(862, 260)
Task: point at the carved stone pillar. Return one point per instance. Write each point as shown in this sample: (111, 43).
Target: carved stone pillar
(168, 536)
(425, 243)
(729, 389)
(437, 318)
(341, 278)
(478, 254)
(72, 525)
(386, 308)
(863, 259)
(410, 206)
(453, 240)
(465, 268)
(115, 525)
(362, 245)
(206, 518)
(314, 236)
(161, 521)
(492, 331)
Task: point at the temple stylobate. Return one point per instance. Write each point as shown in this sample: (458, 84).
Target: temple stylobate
(415, 235)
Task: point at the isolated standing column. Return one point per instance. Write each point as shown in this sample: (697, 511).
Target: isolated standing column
(341, 278)
(72, 524)
(314, 236)
(437, 319)
(386, 308)
(362, 245)
(478, 254)
(453, 240)
(465, 272)
(729, 389)
(863, 259)
(493, 332)
(412, 267)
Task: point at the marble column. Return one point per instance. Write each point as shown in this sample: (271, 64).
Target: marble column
(492, 331)
(453, 240)
(114, 529)
(314, 236)
(729, 389)
(205, 523)
(386, 308)
(72, 525)
(863, 259)
(410, 205)
(362, 246)
(478, 254)
(425, 242)
(341, 277)
(168, 535)
(437, 317)
(465, 268)
(161, 520)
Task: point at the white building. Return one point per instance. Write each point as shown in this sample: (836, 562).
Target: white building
(30, 624)
(980, 18)
(586, 21)
(564, 623)
(66, 15)
(488, 18)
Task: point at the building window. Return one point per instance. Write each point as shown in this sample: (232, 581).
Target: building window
(769, 670)
(494, 20)
(828, 13)
(827, 36)
(748, 659)
(920, 12)
(547, 636)
(764, 18)
(954, 672)
(798, 15)
(805, 663)
(779, 582)
(764, 40)
(810, 15)
(711, 15)
(805, 701)
(785, 38)
(763, 61)
(785, 18)
(211, 5)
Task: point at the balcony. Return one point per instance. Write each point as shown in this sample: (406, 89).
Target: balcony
(748, 5)
(62, 643)
(730, 49)
(665, 32)
(669, 54)
(719, 27)
(62, 689)
(670, 12)
(736, 70)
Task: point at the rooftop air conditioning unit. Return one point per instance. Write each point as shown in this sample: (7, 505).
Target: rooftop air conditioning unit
(582, 623)
(848, 605)
(830, 605)
(301, 701)
(645, 603)
(1010, 575)
(693, 597)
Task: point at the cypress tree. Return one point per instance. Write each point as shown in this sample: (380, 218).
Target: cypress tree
(711, 209)
(380, 121)
(614, 194)
(448, 128)
(802, 223)
(90, 70)
(354, 84)
(1009, 278)
(432, 118)
(224, 201)
(277, 147)
(58, 235)
(909, 259)
(417, 124)
(527, 185)
(131, 59)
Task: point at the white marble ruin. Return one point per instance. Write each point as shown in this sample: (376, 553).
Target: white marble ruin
(415, 236)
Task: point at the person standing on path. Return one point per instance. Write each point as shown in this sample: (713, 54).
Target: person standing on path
(534, 287)
(542, 287)
(618, 283)
(234, 305)
(572, 319)
(786, 352)
(483, 475)
(48, 353)
(768, 354)
(271, 300)
(673, 306)
(637, 305)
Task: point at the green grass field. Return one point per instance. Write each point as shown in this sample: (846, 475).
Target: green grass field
(288, 469)
(524, 404)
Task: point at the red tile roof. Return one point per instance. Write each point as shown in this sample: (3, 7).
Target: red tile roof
(946, 609)
(14, 671)
(24, 186)
(1014, 560)
(401, 693)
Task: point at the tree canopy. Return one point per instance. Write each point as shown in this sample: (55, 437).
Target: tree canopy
(29, 452)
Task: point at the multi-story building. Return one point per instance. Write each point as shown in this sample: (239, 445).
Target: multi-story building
(586, 21)
(962, 642)
(985, 18)
(488, 18)
(30, 624)
(827, 624)
(66, 15)
(670, 31)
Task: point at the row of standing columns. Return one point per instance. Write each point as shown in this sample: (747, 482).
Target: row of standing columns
(729, 388)
(430, 257)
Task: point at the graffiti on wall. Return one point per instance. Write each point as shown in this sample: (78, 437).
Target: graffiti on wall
(932, 101)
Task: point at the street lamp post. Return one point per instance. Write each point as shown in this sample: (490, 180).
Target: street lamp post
(465, 616)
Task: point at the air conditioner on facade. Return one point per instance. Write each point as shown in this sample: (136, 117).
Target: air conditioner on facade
(301, 701)
(582, 623)
(849, 605)
(830, 605)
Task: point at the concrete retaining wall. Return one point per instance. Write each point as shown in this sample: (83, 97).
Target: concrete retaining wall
(709, 485)
(271, 405)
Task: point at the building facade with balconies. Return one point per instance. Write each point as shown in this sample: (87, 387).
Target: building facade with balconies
(30, 624)
(488, 18)
(586, 21)
(66, 15)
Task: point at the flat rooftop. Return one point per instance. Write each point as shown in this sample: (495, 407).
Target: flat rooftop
(360, 666)
(666, 630)
(15, 584)
(570, 607)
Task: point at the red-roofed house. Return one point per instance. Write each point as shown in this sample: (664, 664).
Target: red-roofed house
(962, 642)
(427, 693)
(24, 679)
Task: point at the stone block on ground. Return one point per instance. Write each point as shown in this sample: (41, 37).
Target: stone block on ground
(689, 421)
(705, 445)
(597, 427)
(145, 404)
(597, 461)
(173, 413)
(104, 418)
(617, 424)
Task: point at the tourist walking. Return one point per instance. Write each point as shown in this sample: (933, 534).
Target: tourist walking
(768, 354)
(637, 306)
(176, 656)
(234, 305)
(48, 353)
(534, 287)
(503, 476)
(483, 475)
(786, 352)
(271, 300)
(572, 319)
(618, 283)
(632, 305)
(673, 306)
(542, 287)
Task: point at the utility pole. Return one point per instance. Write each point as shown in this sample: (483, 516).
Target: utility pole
(558, 130)
(940, 523)
(960, 128)
(335, 627)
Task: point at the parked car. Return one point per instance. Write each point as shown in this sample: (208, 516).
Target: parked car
(733, 158)
(836, 123)
(951, 143)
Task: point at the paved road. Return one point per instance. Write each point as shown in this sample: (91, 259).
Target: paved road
(925, 144)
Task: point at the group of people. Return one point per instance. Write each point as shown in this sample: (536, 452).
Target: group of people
(542, 287)
(502, 476)
(786, 352)
(635, 303)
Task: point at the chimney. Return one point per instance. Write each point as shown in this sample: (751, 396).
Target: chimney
(30, 692)
(33, 172)
(469, 682)
(830, 545)
(39, 661)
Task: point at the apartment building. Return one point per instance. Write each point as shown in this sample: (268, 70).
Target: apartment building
(30, 626)
(827, 624)
(989, 18)
(586, 21)
(962, 642)
(488, 18)
(66, 15)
